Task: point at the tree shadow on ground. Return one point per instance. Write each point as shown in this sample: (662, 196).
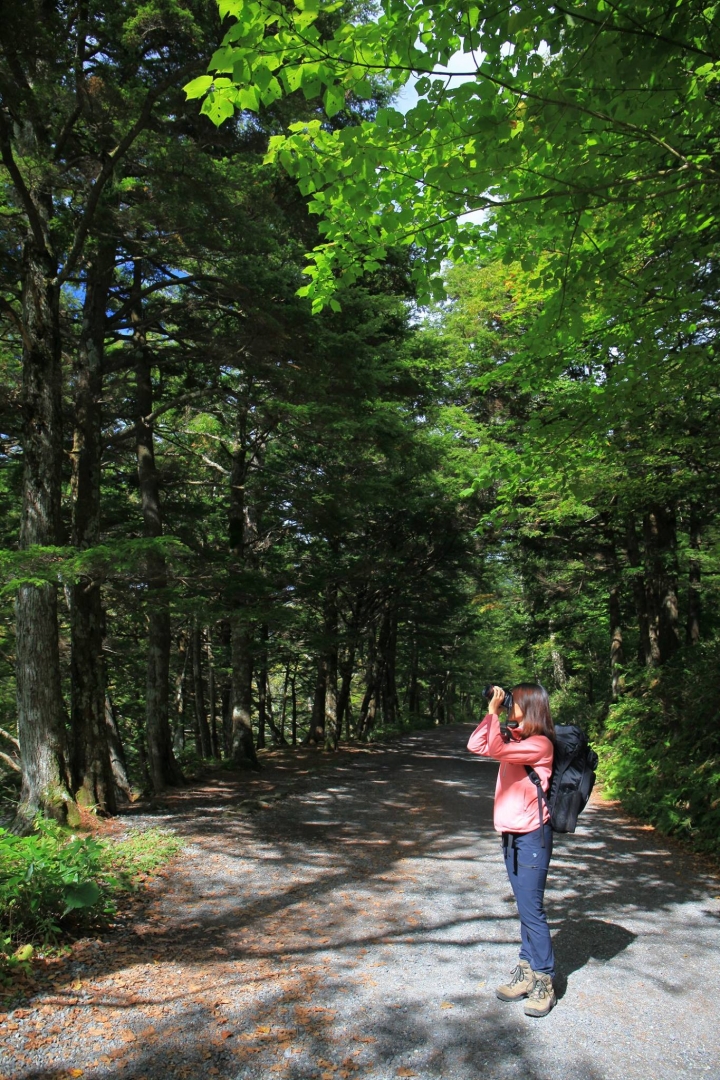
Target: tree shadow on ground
(337, 867)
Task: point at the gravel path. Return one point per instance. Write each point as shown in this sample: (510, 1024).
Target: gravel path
(354, 923)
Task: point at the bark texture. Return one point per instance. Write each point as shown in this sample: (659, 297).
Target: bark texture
(41, 709)
(90, 763)
(241, 653)
(117, 754)
(661, 578)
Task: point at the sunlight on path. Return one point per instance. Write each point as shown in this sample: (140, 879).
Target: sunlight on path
(359, 929)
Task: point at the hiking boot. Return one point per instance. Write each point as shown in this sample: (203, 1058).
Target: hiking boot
(542, 996)
(520, 984)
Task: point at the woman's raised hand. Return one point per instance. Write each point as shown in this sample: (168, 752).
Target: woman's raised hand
(496, 700)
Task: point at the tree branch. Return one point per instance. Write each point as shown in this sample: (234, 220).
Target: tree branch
(15, 318)
(10, 761)
(111, 161)
(637, 29)
(9, 737)
(33, 214)
(130, 432)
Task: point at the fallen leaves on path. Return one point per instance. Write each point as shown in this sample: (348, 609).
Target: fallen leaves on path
(290, 915)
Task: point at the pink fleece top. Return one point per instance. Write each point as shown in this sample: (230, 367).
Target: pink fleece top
(516, 808)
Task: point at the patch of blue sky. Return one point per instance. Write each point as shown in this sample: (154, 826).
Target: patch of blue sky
(461, 68)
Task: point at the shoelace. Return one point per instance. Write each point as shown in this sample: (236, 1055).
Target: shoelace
(518, 975)
(540, 990)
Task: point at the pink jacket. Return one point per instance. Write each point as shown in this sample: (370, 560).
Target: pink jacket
(516, 808)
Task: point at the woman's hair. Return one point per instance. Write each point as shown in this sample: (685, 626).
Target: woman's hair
(535, 706)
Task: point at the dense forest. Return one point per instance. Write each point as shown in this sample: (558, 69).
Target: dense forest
(250, 500)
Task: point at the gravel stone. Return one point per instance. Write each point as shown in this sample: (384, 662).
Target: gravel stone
(357, 927)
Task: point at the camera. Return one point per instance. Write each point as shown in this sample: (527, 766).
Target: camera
(507, 703)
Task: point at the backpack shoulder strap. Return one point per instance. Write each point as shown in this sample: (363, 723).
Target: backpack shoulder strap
(540, 796)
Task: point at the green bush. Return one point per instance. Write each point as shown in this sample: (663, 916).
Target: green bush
(53, 881)
(660, 754)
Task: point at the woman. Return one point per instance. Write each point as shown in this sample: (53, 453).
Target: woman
(527, 847)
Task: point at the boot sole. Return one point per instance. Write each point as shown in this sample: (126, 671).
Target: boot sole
(538, 1012)
(508, 997)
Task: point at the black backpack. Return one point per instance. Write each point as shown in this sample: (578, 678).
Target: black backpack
(572, 779)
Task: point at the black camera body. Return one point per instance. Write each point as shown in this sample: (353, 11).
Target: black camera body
(507, 703)
(507, 727)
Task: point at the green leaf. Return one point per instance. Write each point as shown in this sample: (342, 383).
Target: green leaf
(79, 896)
(334, 100)
(218, 107)
(249, 98)
(197, 87)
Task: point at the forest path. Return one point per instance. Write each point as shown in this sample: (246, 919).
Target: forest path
(357, 927)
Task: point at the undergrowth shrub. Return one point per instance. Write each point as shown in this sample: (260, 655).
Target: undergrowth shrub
(54, 881)
(403, 726)
(660, 754)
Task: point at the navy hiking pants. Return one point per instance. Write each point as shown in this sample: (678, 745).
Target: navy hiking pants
(526, 862)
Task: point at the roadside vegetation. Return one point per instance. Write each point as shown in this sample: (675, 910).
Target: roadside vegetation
(56, 884)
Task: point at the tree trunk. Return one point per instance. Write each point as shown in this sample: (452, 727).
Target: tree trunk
(90, 764)
(293, 714)
(201, 720)
(163, 767)
(117, 754)
(348, 720)
(317, 720)
(262, 681)
(37, 672)
(225, 644)
(40, 703)
(277, 733)
(440, 700)
(368, 722)
(386, 655)
(660, 539)
(283, 706)
(179, 735)
(240, 533)
(243, 747)
(692, 626)
(639, 592)
(212, 698)
(432, 702)
(332, 721)
(330, 634)
(368, 708)
(449, 696)
(413, 689)
(226, 697)
(346, 674)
